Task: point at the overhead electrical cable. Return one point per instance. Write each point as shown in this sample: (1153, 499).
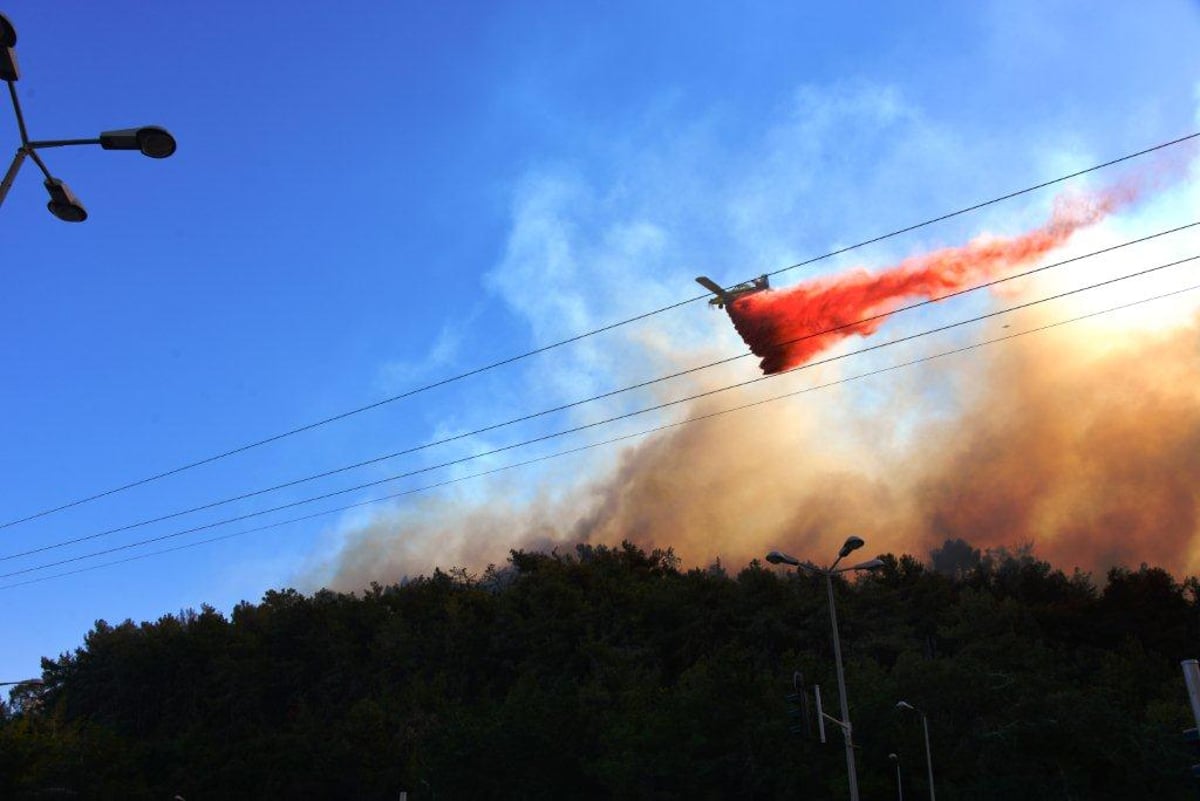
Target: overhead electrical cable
(577, 337)
(416, 448)
(345, 468)
(559, 454)
(583, 427)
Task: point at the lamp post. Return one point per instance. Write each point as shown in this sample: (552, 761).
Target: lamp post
(851, 544)
(151, 140)
(895, 758)
(928, 754)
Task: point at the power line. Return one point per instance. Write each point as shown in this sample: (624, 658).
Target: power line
(610, 441)
(577, 337)
(584, 427)
(416, 448)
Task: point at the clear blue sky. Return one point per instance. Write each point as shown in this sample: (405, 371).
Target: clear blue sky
(361, 189)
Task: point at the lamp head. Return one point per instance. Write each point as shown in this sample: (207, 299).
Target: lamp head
(63, 203)
(781, 558)
(9, 69)
(851, 544)
(152, 140)
(905, 705)
(8, 34)
(870, 564)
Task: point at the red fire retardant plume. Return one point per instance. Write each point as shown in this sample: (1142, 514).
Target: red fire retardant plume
(781, 325)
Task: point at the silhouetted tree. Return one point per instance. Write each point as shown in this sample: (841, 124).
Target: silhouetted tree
(611, 672)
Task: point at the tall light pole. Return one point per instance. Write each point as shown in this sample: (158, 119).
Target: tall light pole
(928, 754)
(899, 782)
(151, 140)
(851, 544)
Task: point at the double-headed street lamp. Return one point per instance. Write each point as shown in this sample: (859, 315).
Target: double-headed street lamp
(905, 705)
(851, 544)
(151, 140)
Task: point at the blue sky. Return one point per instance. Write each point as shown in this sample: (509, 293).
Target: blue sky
(370, 196)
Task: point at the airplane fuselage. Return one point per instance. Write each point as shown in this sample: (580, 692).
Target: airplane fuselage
(725, 296)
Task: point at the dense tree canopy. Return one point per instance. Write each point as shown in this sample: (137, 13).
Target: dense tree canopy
(613, 673)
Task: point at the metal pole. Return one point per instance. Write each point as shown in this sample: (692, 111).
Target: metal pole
(1191, 677)
(62, 142)
(837, 659)
(11, 175)
(928, 755)
(16, 104)
(899, 783)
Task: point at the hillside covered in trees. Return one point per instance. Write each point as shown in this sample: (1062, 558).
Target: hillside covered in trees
(612, 673)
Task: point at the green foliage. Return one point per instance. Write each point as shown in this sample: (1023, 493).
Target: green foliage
(612, 673)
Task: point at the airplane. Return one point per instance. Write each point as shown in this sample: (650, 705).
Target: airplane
(725, 296)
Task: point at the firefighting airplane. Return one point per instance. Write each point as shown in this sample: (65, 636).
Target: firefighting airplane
(724, 296)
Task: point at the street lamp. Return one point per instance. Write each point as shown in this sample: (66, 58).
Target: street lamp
(151, 140)
(899, 782)
(851, 544)
(905, 705)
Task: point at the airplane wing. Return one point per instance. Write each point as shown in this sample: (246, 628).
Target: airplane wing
(713, 287)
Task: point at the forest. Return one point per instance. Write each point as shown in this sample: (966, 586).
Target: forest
(612, 672)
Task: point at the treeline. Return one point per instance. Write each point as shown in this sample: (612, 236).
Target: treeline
(612, 673)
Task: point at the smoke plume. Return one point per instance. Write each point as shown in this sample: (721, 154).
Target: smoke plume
(1095, 459)
(1083, 440)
